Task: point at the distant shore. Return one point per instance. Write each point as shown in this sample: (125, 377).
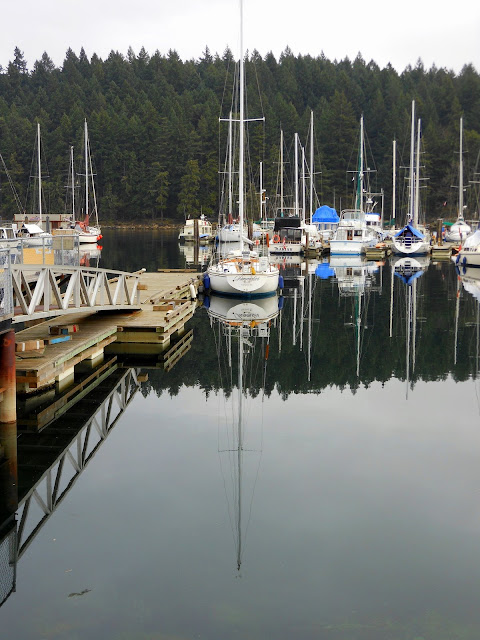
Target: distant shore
(148, 224)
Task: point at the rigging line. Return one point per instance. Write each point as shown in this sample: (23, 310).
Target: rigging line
(12, 185)
(251, 504)
(217, 342)
(225, 86)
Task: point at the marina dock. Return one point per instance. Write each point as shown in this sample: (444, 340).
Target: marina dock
(166, 301)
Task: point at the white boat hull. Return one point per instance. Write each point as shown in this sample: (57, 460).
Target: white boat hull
(242, 283)
(88, 238)
(349, 247)
(468, 258)
(285, 249)
(420, 248)
(458, 233)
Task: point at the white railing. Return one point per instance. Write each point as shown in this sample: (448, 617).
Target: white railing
(6, 298)
(45, 291)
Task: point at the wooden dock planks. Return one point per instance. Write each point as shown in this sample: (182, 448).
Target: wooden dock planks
(97, 330)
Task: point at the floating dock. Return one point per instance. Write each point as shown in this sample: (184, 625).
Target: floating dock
(379, 252)
(442, 252)
(166, 303)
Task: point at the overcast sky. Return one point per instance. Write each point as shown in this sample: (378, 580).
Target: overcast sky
(446, 34)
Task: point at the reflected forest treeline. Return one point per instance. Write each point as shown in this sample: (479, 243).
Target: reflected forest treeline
(333, 341)
(154, 126)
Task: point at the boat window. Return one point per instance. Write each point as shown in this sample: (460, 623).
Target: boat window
(350, 234)
(358, 233)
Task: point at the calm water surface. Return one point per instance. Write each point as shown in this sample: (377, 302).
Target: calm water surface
(351, 511)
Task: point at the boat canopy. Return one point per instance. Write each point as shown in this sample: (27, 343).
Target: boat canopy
(473, 240)
(324, 271)
(409, 227)
(32, 228)
(326, 215)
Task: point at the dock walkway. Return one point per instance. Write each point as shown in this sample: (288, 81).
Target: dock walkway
(165, 306)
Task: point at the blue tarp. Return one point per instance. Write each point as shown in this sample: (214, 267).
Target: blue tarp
(408, 278)
(325, 215)
(413, 231)
(324, 271)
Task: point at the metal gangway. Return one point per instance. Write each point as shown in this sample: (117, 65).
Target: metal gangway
(72, 455)
(56, 284)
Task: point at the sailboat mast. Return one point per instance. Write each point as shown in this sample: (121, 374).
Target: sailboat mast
(230, 154)
(460, 174)
(417, 176)
(303, 186)
(412, 153)
(72, 177)
(392, 278)
(360, 177)
(239, 449)
(39, 166)
(457, 309)
(311, 166)
(242, 127)
(86, 169)
(394, 175)
(310, 303)
(359, 192)
(281, 172)
(296, 176)
(261, 191)
(408, 316)
(359, 322)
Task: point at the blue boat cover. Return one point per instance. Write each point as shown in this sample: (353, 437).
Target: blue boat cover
(324, 271)
(408, 278)
(411, 228)
(325, 214)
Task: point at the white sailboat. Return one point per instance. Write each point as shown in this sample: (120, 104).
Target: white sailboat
(88, 233)
(459, 230)
(413, 239)
(243, 273)
(353, 235)
(32, 232)
(229, 230)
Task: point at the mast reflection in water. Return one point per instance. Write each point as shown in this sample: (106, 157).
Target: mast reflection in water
(248, 324)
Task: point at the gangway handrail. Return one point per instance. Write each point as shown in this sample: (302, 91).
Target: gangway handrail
(42, 291)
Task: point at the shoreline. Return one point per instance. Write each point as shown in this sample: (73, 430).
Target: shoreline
(141, 225)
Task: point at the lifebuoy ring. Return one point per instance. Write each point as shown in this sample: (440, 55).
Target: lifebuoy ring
(276, 238)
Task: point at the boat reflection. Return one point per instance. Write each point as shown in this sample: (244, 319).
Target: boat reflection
(356, 279)
(242, 333)
(90, 255)
(408, 270)
(196, 254)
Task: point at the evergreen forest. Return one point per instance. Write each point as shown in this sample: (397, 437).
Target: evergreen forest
(158, 144)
